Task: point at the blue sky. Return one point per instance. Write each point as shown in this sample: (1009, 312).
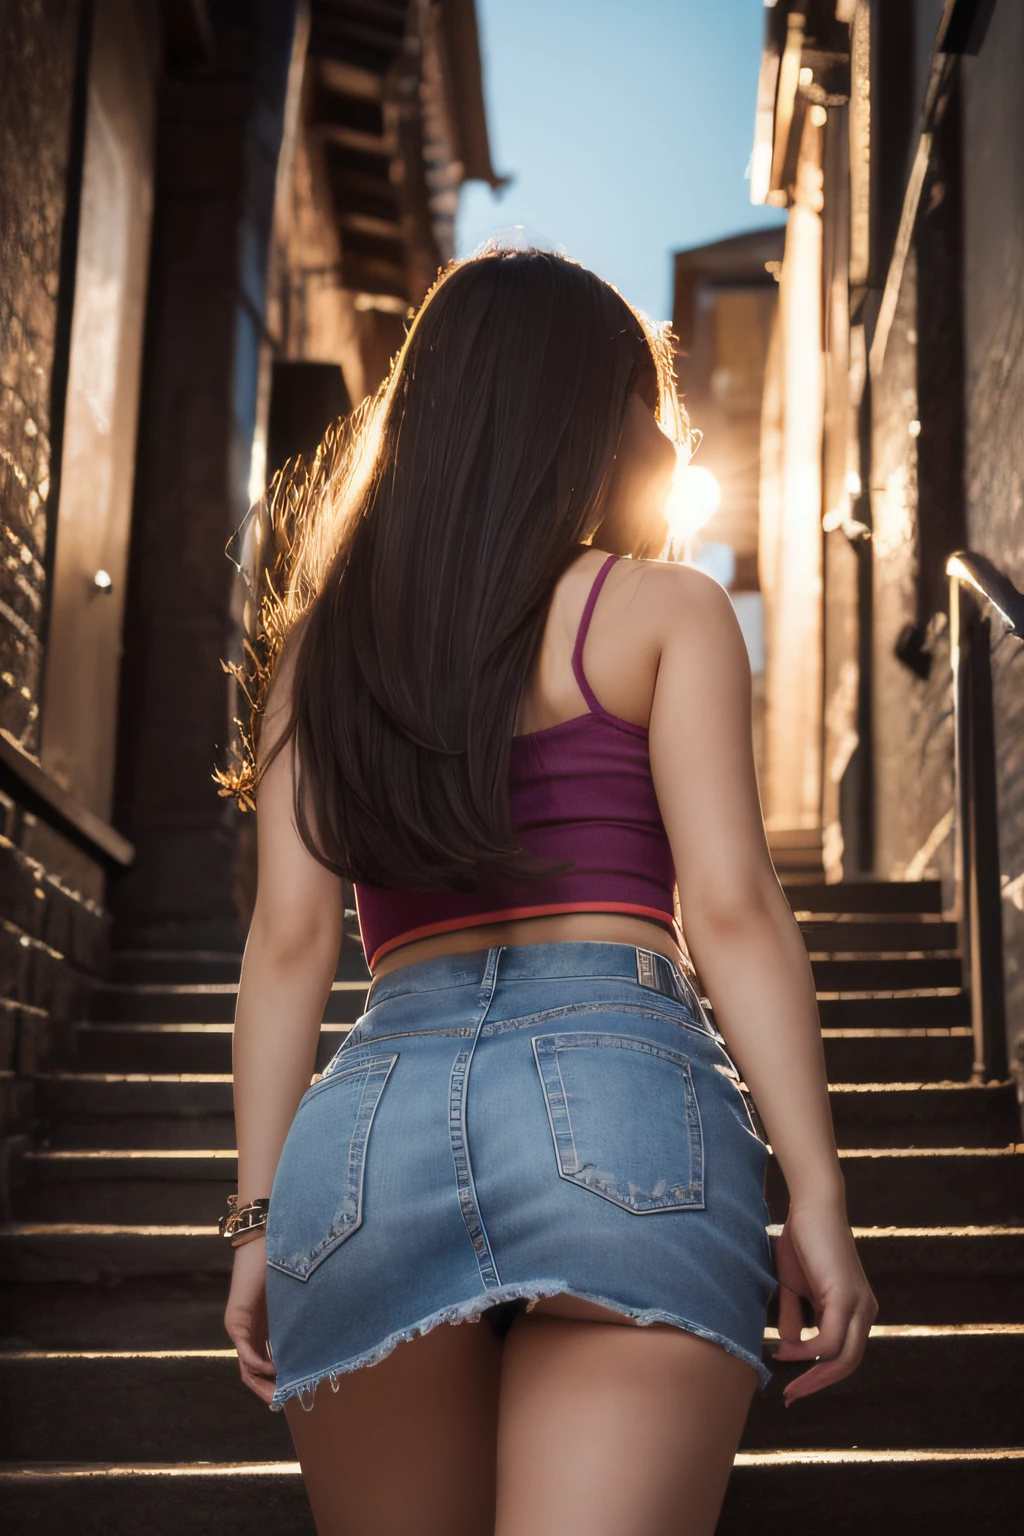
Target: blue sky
(627, 125)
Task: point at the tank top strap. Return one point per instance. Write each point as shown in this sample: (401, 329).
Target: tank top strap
(581, 637)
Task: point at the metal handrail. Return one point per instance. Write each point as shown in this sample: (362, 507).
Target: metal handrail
(978, 895)
(977, 571)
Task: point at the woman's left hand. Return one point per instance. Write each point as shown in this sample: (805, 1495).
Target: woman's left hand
(246, 1318)
(816, 1258)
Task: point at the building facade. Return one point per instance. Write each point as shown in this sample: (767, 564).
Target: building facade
(723, 317)
(893, 432)
(214, 218)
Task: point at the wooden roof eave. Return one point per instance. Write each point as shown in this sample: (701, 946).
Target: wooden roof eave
(460, 37)
(398, 147)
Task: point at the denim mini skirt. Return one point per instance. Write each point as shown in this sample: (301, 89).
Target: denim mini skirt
(510, 1124)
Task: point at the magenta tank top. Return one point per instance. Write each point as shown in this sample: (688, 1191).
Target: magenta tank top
(581, 791)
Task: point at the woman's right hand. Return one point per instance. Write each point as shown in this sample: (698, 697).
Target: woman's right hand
(246, 1317)
(816, 1258)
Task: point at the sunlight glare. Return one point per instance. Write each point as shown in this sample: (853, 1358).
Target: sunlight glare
(693, 500)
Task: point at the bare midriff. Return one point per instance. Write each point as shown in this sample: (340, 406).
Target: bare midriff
(595, 927)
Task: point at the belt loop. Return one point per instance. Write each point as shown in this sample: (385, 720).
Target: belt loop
(647, 969)
(490, 973)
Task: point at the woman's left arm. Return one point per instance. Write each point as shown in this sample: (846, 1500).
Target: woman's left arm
(290, 959)
(751, 957)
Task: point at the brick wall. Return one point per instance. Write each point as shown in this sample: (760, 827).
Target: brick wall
(994, 399)
(913, 724)
(38, 54)
(913, 736)
(53, 928)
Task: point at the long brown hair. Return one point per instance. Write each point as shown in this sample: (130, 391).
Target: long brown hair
(423, 550)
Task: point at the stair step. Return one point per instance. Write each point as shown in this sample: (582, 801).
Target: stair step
(101, 1110)
(867, 896)
(899, 1397)
(83, 1251)
(195, 1499)
(845, 1493)
(202, 1002)
(947, 1274)
(183, 1405)
(161, 1405)
(924, 1114)
(924, 1186)
(841, 1492)
(883, 1055)
(132, 967)
(893, 935)
(135, 967)
(947, 1008)
(122, 1187)
(920, 1274)
(174, 1048)
(868, 973)
(176, 1311)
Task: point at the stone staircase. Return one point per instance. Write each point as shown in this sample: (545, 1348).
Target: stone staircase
(120, 1405)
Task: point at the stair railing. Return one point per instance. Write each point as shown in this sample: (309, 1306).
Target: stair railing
(978, 895)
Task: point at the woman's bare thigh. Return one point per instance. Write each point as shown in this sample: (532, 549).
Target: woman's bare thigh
(406, 1447)
(614, 1431)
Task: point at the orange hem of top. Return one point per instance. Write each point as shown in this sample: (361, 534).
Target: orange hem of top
(512, 914)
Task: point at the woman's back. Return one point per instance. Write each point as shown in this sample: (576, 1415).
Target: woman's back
(618, 660)
(581, 793)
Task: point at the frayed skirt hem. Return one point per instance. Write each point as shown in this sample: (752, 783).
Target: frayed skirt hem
(472, 1310)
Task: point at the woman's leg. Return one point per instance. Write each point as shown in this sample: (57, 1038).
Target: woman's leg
(610, 1430)
(406, 1447)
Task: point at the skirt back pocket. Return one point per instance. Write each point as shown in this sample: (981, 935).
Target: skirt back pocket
(317, 1198)
(624, 1119)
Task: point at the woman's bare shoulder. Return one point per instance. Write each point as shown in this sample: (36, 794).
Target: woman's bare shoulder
(681, 600)
(694, 628)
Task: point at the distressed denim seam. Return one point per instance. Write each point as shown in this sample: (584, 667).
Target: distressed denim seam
(557, 1108)
(368, 1038)
(457, 1131)
(573, 1010)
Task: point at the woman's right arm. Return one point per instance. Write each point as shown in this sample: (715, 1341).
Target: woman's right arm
(751, 957)
(291, 955)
